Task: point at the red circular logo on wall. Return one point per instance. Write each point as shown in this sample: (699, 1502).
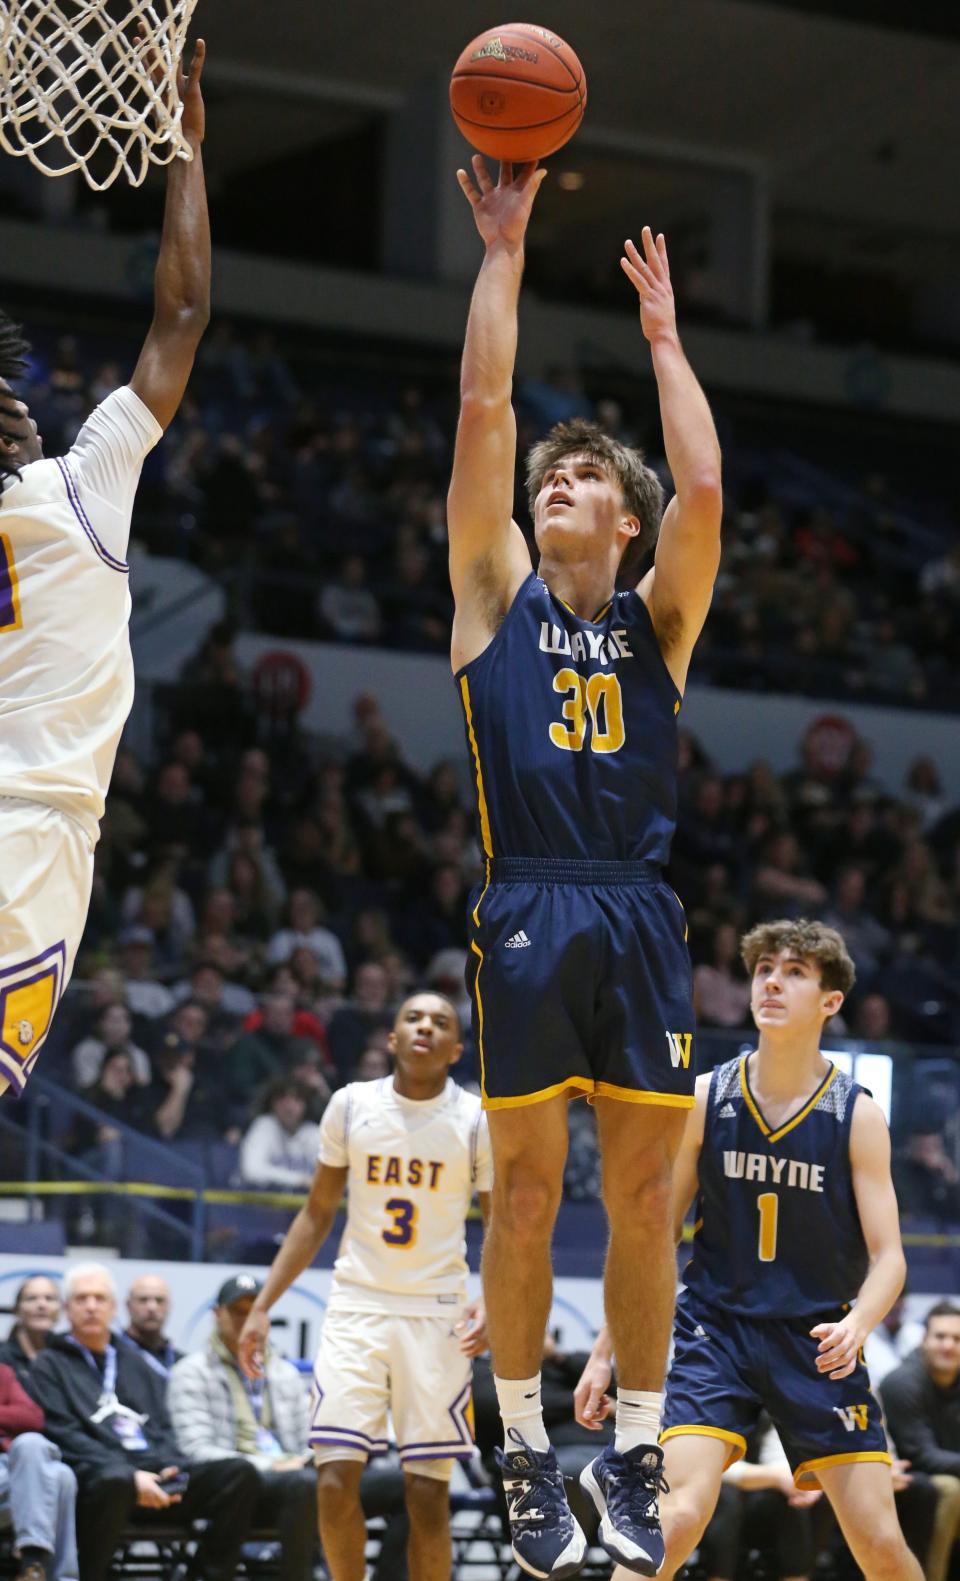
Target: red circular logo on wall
(281, 682)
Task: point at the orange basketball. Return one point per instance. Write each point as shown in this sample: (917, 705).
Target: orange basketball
(518, 92)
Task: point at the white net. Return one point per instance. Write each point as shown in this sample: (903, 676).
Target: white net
(79, 91)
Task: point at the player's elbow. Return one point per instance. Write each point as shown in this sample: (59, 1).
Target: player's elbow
(701, 497)
(183, 320)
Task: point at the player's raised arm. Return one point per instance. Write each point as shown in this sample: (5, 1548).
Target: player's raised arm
(488, 556)
(877, 1208)
(300, 1246)
(182, 283)
(679, 590)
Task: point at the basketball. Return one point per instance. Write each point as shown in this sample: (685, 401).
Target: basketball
(518, 92)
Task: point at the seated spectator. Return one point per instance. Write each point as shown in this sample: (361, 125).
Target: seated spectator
(866, 939)
(38, 1493)
(145, 996)
(871, 1019)
(115, 1094)
(891, 1342)
(190, 1098)
(373, 1064)
(303, 930)
(259, 1057)
(107, 1412)
(309, 1072)
(148, 1307)
(36, 1312)
(921, 1401)
(226, 1003)
(721, 993)
(279, 1152)
(351, 1025)
(216, 1413)
(347, 607)
(112, 1035)
(926, 1177)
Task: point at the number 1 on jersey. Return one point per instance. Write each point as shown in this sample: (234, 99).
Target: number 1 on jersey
(768, 1208)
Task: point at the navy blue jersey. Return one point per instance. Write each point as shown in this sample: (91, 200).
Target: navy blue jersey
(778, 1234)
(572, 729)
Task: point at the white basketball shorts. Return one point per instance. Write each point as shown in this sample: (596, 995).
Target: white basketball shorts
(370, 1363)
(46, 875)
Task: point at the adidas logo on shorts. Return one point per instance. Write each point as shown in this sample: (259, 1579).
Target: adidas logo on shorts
(519, 941)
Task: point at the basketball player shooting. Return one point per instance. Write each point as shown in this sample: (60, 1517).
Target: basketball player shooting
(66, 673)
(580, 973)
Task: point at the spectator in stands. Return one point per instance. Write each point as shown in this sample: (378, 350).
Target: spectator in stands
(865, 938)
(721, 994)
(347, 606)
(38, 1493)
(872, 1019)
(177, 815)
(148, 1308)
(350, 1026)
(145, 995)
(225, 1003)
(217, 1414)
(116, 1096)
(926, 1177)
(373, 1064)
(921, 1400)
(113, 1034)
(107, 1412)
(162, 905)
(783, 885)
(189, 1099)
(891, 1342)
(304, 931)
(279, 1152)
(36, 1313)
(261, 1056)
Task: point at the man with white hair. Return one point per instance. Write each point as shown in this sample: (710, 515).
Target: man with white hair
(106, 1410)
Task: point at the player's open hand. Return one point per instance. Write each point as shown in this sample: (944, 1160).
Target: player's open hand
(649, 271)
(252, 1344)
(591, 1402)
(839, 1347)
(193, 120)
(502, 211)
(472, 1329)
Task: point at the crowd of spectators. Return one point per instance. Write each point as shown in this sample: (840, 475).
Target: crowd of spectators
(152, 1437)
(320, 501)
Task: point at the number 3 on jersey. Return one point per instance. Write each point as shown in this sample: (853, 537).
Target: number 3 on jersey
(403, 1231)
(9, 588)
(600, 697)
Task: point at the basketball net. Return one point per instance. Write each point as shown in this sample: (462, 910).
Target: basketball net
(77, 90)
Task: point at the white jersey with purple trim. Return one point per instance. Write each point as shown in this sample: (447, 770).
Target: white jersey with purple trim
(66, 674)
(414, 1167)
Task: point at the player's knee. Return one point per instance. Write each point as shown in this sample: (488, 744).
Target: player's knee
(684, 1523)
(338, 1485)
(526, 1203)
(641, 1198)
(882, 1553)
(428, 1501)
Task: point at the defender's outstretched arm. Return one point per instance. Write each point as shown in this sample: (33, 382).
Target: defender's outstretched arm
(182, 283)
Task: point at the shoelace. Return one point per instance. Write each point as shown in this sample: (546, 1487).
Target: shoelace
(651, 1484)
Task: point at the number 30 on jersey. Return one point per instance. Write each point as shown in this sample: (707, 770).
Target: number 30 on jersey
(594, 703)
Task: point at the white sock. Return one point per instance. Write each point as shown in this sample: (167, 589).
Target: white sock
(638, 1419)
(520, 1408)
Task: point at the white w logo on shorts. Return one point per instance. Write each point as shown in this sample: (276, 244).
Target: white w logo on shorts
(679, 1044)
(852, 1416)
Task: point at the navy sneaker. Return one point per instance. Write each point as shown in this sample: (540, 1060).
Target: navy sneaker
(545, 1538)
(624, 1488)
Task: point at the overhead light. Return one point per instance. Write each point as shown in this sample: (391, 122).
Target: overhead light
(571, 180)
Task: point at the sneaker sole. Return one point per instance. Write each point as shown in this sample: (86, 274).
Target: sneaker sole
(570, 1567)
(608, 1533)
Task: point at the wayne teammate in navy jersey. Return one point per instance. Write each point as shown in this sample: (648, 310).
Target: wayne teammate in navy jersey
(795, 1220)
(580, 974)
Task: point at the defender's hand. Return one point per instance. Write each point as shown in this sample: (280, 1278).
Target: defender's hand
(591, 1402)
(502, 211)
(650, 273)
(252, 1344)
(194, 120)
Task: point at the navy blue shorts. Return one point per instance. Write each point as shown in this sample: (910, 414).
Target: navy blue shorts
(726, 1369)
(581, 981)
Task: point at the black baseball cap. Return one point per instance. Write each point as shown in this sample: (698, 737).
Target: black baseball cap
(237, 1288)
